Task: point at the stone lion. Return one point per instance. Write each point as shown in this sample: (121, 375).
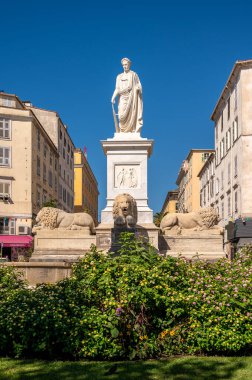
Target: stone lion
(125, 211)
(203, 219)
(50, 218)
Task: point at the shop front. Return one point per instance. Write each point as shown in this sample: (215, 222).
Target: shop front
(15, 247)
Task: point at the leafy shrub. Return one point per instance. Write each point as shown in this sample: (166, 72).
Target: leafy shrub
(136, 304)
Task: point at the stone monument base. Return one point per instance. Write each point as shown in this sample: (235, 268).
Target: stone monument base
(41, 272)
(106, 235)
(193, 245)
(61, 245)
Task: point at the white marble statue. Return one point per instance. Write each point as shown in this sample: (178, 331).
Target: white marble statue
(130, 103)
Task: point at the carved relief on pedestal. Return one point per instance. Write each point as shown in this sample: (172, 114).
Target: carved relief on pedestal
(126, 176)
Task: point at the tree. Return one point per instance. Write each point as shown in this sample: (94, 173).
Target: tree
(50, 203)
(158, 217)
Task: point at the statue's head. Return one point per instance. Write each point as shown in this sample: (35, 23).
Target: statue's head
(126, 63)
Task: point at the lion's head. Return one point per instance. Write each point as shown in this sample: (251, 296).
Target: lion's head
(124, 205)
(209, 216)
(47, 217)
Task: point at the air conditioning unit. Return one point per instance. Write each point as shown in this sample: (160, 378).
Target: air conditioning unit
(23, 230)
(4, 196)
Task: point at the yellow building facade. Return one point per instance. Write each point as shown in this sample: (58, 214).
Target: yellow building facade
(85, 186)
(188, 180)
(170, 203)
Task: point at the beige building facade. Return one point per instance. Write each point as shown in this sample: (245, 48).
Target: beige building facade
(58, 133)
(232, 116)
(188, 180)
(207, 183)
(85, 186)
(28, 170)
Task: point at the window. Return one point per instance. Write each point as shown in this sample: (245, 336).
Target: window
(60, 134)
(5, 128)
(55, 184)
(4, 187)
(229, 206)
(64, 153)
(211, 187)
(44, 172)
(228, 139)
(222, 144)
(38, 139)
(8, 102)
(44, 197)
(55, 164)
(228, 109)
(38, 198)
(229, 172)
(235, 126)
(222, 210)
(60, 191)
(217, 157)
(236, 201)
(45, 150)
(38, 166)
(217, 186)
(4, 156)
(216, 132)
(7, 226)
(50, 178)
(64, 195)
(51, 158)
(205, 156)
(222, 121)
(235, 97)
(222, 180)
(235, 166)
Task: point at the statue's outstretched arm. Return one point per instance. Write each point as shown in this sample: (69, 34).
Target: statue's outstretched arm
(114, 96)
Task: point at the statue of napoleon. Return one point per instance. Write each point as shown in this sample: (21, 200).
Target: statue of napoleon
(130, 103)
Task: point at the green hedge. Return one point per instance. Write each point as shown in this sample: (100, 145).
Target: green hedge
(134, 305)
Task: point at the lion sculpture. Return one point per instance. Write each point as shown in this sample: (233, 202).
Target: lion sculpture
(125, 211)
(50, 218)
(203, 219)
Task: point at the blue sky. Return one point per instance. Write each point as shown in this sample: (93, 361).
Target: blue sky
(65, 55)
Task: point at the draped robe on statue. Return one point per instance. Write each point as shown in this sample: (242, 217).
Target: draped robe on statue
(130, 105)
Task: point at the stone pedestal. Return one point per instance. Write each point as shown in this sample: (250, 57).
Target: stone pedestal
(202, 245)
(127, 156)
(106, 235)
(61, 245)
(42, 272)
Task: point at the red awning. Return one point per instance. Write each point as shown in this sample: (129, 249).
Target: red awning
(16, 240)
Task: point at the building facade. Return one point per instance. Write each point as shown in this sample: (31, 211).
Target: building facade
(85, 186)
(36, 167)
(58, 133)
(28, 171)
(233, 143)
(207, 183)
(188, 180)
(171, 201)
